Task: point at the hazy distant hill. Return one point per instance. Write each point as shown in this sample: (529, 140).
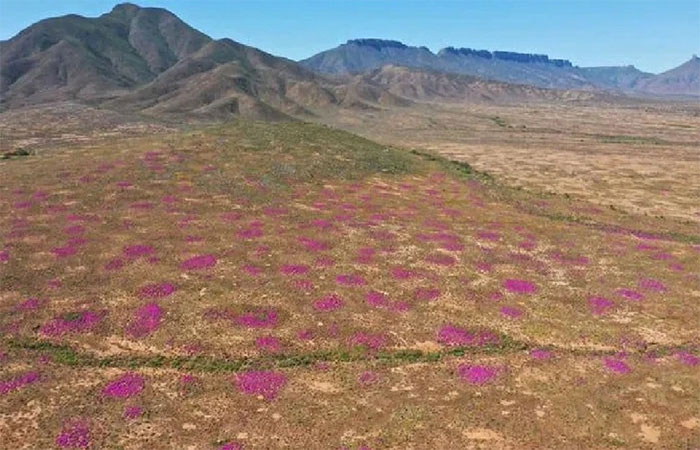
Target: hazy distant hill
(682, 80)
(430, 85)
(364, 55)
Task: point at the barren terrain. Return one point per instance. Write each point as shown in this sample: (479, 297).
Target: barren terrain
(640, 157)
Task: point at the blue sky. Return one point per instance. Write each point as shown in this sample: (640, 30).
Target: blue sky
(654, 35)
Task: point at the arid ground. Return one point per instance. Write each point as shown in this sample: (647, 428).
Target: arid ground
(486, 277)
(640, 157)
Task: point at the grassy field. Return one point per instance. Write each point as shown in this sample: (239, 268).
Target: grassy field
(289, 285)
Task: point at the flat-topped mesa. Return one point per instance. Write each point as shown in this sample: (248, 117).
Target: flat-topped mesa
(505, 56)
(530, 58)
(376, 43)
(465, 52)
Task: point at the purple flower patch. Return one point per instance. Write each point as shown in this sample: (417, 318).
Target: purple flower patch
(649, 284)
(114, 264)
(158, 290)
(147, 320)
(313, 245)
(377, 299)
(133, 412)
(265, 383)
(600, 305)
(75, 434)
(399, 273)
(4, 256)
(19, 382)
(370, 341)
(138, 251)
(250, 233)
(540, 354)
(427, 294)
(79, 322)
(520, 286)
(688, 358)
(511, 312)
(270, 344)
(199, 262)
(252, 270)
(126, 386)
(30, 304)
(489, 236)
(630, 294)
(616, 365)
(267, 318)
(330, 302)
(64, 252)
(367, 377)
(478, 374)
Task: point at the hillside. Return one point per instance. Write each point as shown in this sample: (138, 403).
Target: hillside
(147, 60)
(682, 80)
(430, 85)
(93, 58)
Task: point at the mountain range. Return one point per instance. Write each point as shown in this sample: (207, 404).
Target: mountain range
(363, 55)
(147, 60)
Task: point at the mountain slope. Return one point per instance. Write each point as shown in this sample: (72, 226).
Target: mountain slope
(430, 85)
(147, 60)
(624, 78)
(93, 58)
(682, 80)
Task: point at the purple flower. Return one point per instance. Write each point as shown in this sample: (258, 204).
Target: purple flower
(688, 358)
(137, 251)
(75, 434)
(513, 313)
(478, 374)
(133, 412)
(630, 294)
(199, 262)
(616, 365)
(158, 290)
(128, 385)
(265, 383)
(267, 318)
(330, 302)
(146, 321)
(649, 284)
(454, 336)
(520, 286)
(19, 382)
(427, 294)
(540, 353)
(79, 322)
(600, 305)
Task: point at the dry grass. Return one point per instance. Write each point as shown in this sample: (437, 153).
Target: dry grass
(293, 213)
(641, 158)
